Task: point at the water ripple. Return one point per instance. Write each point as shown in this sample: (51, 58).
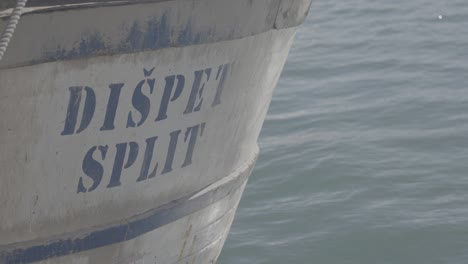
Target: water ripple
(364, 152)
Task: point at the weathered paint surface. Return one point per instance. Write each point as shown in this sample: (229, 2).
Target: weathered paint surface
(181, 231)
(139, 156)
(138, 27)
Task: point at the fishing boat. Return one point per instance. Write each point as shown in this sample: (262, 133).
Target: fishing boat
(128, 128)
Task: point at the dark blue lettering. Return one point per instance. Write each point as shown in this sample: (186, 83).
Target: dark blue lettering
(193, 132)
(167, 94)
(141, 102)
(119, 162)
(112, 106)
(171, 151)
(92, 168)
(73, 109)
(147, 161)
(222, 72)
(197, 91)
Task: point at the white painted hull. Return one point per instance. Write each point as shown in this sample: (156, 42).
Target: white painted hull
(138, 153)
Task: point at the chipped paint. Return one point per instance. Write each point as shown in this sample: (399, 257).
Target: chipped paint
(123, 129)
(158, 25)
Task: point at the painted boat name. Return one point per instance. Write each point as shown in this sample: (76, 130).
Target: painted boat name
(126, 153)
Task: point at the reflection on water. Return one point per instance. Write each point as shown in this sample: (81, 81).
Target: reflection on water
(365, 150)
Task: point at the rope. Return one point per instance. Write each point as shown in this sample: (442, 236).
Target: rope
(11, 26)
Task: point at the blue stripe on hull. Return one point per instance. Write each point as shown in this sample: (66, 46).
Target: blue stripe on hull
(124, 231)
(145, 25)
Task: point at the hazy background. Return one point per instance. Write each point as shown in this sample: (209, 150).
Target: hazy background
(365, 149)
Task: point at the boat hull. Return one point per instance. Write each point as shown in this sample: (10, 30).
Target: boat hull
(135, 153)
